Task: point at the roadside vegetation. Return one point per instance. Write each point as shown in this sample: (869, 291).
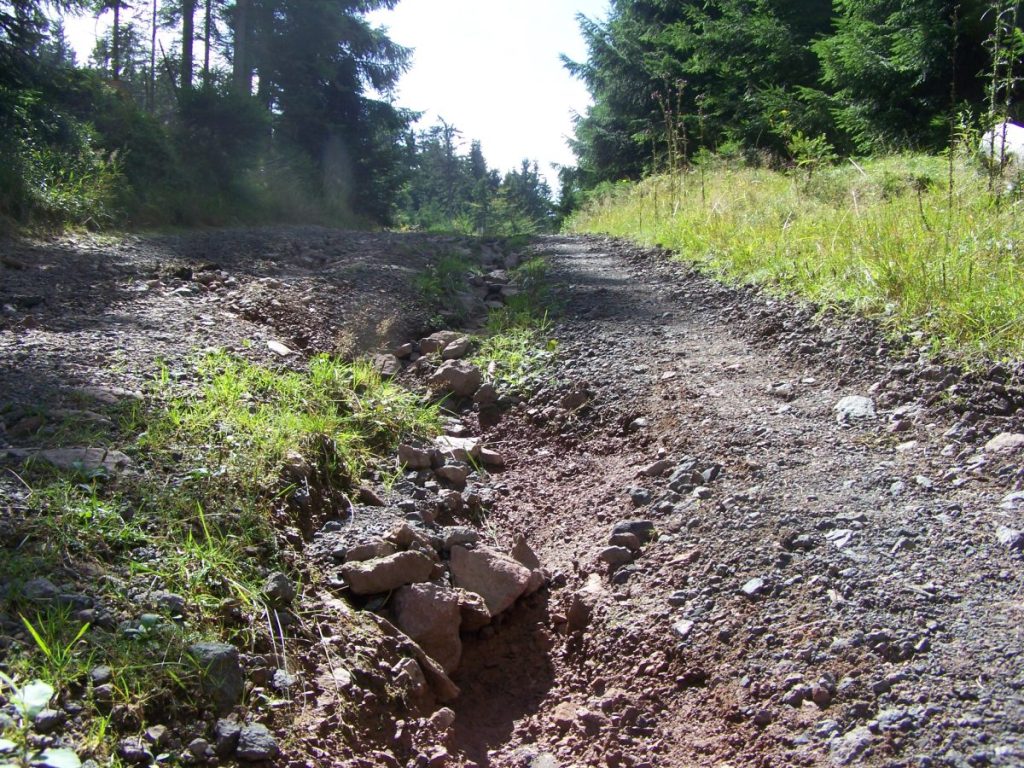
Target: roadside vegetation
(918, 241)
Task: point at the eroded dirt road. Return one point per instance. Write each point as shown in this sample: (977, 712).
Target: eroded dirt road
(739, 577)
(820, 591)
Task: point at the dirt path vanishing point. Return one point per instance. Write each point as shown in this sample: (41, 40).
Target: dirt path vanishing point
(821, 593)
(740, 575)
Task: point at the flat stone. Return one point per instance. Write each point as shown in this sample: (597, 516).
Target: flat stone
(457, 349)
(644, 530)
(753, 588)
(384, 574)
(387, 365)
(616, 556)
(1010, 537)
(854, 408)
(430, 615)
(403, 351)
(457, 377)
(368, 550)
(1006, 442)
(498, 579)
(456, 474)
(491, 458)
(413, 458)
(458, 448)
(657, 469)
(280, 349)
(436, 342)
(683, 628)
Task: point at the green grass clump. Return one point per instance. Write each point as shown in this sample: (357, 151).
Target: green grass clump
(445, 280)
(909, 239)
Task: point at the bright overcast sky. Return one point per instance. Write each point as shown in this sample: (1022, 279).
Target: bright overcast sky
(489, 67)
(492, 68)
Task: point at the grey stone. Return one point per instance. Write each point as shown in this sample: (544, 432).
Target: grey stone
(413, 458)
(456, 474)
(157, 735)
(88, 460)
(48, 720)
(199, 748)
(753, 588)
(429, 614)
(387, 365)
(457, 349)
(226, 733)
(472, 610)
(458, 448)
(460, 534)
(854, 408)
(1010, 537)
(39, 590)
(491, 458)
(486, 396)
(256, 744)
(498, 579)
(222, 678)
(847, 749)
(134, 752)
(279, 590)
(172, 604)
(639, 496)
(384, 574)
(627, 540)
(683, 628)
(436, 342)
(1006, 442)
(657, 469)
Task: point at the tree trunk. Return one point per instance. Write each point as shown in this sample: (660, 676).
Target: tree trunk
(241, 68)
(207, 24)
(115, 62)
(151, 91)
(188, 34)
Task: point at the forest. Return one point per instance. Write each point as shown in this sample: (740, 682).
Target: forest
(259, 109)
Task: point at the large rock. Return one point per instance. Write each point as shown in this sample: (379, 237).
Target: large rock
(387, 365)
(256, 744)
(413, 458)
(384, 574)
(429, 614)
(458, 349)
(222, 679)
(498, 579)
(458, 377)
(436, 342)
(458, 448)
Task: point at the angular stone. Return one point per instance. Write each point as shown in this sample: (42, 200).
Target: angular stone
(226, 733)
(473, 610)
(657, 469)
(387, 365)
(222, 678)
(616, 556)
(436, 342)
(384, 574)
(1010, 537)
(456, 474)
(369, 550)
(854, 408)
(86, 459)
(492, 458)
(279, 590)
(458, 448)
(429, 614)
(413, 458)
(523, 554)
(256, 744)
(403, 351)
(644, 530)
(457, 349)
(498, 579)
(753, 588)
(459, 378)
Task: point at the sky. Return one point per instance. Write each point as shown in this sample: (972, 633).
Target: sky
(492, 68)
(489, 67)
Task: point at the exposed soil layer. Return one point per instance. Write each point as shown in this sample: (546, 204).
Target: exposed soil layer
(797, 589)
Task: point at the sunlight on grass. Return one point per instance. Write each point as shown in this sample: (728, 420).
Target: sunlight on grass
(887, 237)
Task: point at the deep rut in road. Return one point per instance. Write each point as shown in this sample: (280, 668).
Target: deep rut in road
(818, 590)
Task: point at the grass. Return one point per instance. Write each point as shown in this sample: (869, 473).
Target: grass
(201, 519)
(911, 239)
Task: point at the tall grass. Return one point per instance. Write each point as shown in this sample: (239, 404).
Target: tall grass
(889, 237)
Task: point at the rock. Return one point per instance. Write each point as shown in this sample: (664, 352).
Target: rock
(369, 550)
(199, 748)
(460, 534)
(1010, 537)
(854, 408)
(657, 469)
(486, 396)
(256, 744)
(456, 474)
(404, 534)
(473, 611)
(821, 696)
(683, 628)
(753, 588)
(384, 574)
(39, 590)
(403, 351)
(222, 678)
(443, 719)
(47, 720)
(639, 496)
(279, 349)
(523, 554)
(457, 349)
(564, 715)
(101, 675)
(157, 735)
(226, 733)
(172, 604)
(86, 460)
(387, 366)
(436, 342)
(498, 579)
(458, 448)
(413, 458)
(459, 378)
(847, 749)
(491, 458)
(627, 540)
(279, 590)
(132, 751)
(644, 530)
(1006, 442)
(369, 497)
(429, 614)
(616, 556)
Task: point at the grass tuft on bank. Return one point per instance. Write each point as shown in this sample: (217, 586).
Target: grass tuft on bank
(909, 239)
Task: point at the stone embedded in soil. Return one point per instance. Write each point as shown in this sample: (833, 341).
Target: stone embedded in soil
(436, 342)
(854, 408)
(458, 448)
(40, 590)
(134, 752)
(523, 553)
(86, 460)
(280, 349)
(683, 628)
(222, 678)
(644, 530)
(368, 550)
(456, 474)
(279, 590)
(413, 458)
(628, 540)
(657, 469)
(498, 579)
(1007, 442)
(402, 351)
(847, 749)
(429, 614)
(1010, 537)
(491, 458)
(616, 556)
(256, 744)
(384, 574)
(48, 720)
(457, 377)
(226, 733)
(473, 610)
(753, 588)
